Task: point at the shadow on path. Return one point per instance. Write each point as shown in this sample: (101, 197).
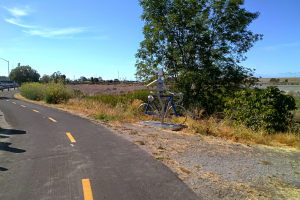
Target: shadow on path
(11, 131)
(5, 146)
(2, 169)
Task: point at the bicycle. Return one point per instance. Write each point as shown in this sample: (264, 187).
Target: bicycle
(174, 113)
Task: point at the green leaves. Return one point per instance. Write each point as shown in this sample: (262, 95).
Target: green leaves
(206, 39)
(24, 74)
(267, 109)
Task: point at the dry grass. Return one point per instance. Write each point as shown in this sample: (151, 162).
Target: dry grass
(238, 133)
(210, 126)
(102, 111)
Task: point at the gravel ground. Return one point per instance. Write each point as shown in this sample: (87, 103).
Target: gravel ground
(218, 169)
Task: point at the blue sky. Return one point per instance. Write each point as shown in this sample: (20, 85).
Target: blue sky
(100, 38)
(278, 54)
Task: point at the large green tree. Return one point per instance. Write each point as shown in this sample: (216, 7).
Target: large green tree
(24, 74)
(200, 44)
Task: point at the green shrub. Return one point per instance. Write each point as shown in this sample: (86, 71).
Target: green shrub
(106, 117)
(33, 91)
(268, 109)
(297, 100)
(57, 93)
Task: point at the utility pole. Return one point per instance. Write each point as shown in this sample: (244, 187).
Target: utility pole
(7, 66)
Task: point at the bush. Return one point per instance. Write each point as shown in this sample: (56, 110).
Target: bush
(57, 93)
(33, 91)
(268, 109)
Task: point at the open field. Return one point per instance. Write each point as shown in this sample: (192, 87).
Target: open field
(290, 81)
(120, 88)
(294, 79)
(116, 88)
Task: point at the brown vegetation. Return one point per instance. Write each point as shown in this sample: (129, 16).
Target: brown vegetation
(114, 88)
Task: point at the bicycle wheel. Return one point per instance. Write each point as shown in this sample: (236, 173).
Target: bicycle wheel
(150, 114)
(171, 116)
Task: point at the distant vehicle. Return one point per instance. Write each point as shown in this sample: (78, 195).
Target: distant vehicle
(6, 83)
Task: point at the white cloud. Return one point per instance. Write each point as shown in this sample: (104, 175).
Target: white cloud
(56, 32)
(18, 12)
(16, 16)
(279, 46)
(14, 21)
(17, 19)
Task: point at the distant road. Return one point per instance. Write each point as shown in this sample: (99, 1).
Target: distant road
(50, 154)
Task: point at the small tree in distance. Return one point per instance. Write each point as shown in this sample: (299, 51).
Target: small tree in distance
(58, 77)
(24, 74)
(45, 79)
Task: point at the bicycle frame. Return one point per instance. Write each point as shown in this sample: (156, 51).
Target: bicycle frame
(168, 102)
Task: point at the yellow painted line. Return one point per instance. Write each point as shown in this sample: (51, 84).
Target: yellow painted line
(71, 138)
(23, 106)
(14, 102)
(36, 111)
(87, 190)
(7, 100)
(51, 119)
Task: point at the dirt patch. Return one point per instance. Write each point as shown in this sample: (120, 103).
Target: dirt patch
(95, 89)
(218, 169)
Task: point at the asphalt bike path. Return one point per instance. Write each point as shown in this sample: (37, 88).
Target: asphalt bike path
(51, 154)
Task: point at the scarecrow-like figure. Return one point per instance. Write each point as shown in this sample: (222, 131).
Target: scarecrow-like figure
(161, 88)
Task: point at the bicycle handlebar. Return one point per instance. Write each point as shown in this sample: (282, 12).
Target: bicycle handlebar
(176, 94)
(172, 93)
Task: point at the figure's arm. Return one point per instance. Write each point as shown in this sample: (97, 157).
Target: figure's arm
(153, 82)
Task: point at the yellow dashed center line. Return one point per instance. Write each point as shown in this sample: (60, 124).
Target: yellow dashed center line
(36, 111)
(51, 119)
(23, 106)
(87, 190)
(71, 138)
